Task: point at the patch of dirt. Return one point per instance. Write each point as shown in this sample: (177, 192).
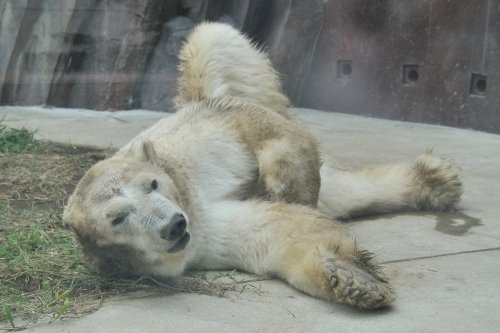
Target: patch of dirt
(44, 179)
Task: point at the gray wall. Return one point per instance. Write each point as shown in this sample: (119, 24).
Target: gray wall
(426, 61)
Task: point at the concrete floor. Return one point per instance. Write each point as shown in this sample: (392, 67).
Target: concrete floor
(444, 267)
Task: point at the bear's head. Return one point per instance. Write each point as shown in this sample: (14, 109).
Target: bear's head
(127, 213)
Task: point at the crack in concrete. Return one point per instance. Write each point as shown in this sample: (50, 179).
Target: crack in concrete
(439, 255)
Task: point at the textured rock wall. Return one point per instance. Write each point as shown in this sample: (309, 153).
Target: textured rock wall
(122, 54)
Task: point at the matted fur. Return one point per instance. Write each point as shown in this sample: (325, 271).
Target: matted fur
(232, 180)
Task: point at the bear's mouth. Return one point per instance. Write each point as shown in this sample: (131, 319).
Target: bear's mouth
(181, 244)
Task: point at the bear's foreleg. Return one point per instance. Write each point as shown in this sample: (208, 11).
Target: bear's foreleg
(311, 252)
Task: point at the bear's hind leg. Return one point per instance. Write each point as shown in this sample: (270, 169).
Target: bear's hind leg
(289, 171)
(429, 183)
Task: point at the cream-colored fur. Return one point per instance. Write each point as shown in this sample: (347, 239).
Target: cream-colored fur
(232, 180)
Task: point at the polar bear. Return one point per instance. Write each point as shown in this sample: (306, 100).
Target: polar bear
(233, 180)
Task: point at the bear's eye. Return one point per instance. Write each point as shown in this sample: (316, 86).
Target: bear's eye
(154, 184)
(119, 220)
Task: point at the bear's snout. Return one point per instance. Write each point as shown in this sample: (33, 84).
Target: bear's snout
(175, 228)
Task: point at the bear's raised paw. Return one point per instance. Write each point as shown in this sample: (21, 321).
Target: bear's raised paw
(436, 183)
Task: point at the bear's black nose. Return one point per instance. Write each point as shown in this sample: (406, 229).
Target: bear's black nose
(175, 228)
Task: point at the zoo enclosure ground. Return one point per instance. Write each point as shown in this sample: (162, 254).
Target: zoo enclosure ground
(444, 267)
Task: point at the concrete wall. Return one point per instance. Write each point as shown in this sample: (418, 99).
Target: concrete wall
(425, 61)
(433, 61)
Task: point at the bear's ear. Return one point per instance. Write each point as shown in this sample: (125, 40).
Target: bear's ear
(149, 152)
(144, 151)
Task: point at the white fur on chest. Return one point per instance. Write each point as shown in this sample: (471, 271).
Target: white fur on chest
(220, 167)
(216, 163)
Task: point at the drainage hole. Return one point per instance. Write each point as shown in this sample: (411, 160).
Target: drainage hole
(481, 85)
(478, 84)
(346, 69)
(413, 75)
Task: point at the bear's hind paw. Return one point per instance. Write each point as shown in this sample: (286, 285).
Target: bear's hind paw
(437, 185)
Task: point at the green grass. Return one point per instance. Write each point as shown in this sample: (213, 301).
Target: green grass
(15, 141)
(39, 264)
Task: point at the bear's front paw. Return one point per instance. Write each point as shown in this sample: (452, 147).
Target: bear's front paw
(436, 183)
(352, 285)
